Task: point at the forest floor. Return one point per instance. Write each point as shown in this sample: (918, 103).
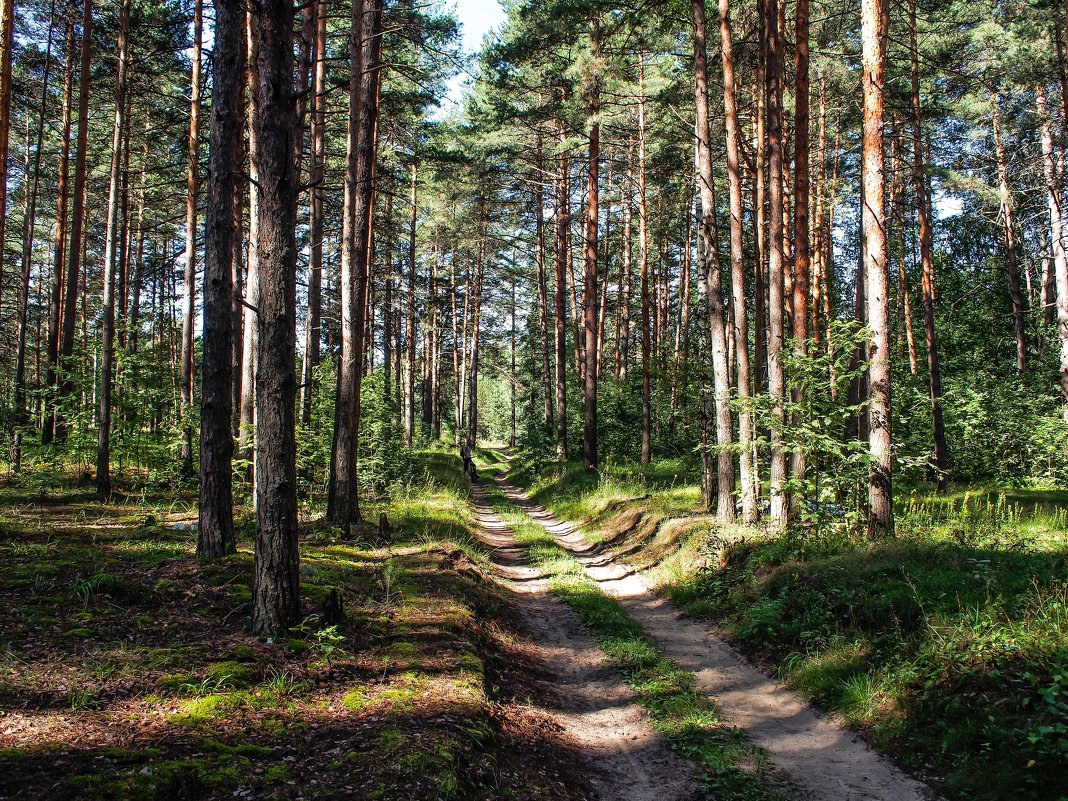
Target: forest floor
(945, 648)
(492, 651)
(126, 670)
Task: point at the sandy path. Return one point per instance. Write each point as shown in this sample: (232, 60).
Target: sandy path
(821, 760)
(629, 761)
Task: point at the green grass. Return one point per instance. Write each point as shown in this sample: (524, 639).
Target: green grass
(947, 646)
(689, 721)
(117, 633)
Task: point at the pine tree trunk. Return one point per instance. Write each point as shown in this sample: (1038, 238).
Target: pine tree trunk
(70, 303)
(409, 323)
(7, 29)
(799, 306)
(216, 537)
(28, 227)
(276, 585)
(192, 182)
(562, 257)
(457, 345)
(341, 501)
(476, 322)
(741, 327)
(313, 330)
(589, 284)
(107, 335)
(876, 271)
(623, 326)
(710, 271)
(760, 230)
(1060, 262)
(55, 309)
(1011, 255)
(246, 428)
(923, 212)
(543, 289)
(643, 273)
(777, 266)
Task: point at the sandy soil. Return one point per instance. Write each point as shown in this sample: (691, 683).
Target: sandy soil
(629, 761)
(819, 758)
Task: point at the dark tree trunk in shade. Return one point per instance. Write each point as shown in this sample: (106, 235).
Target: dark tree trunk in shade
(48, 431)
(107, 327)
(341, 501)
(313, 332)
(29, 222)
(923, 213)
(276, 591)
(216, 536)
(77, 221)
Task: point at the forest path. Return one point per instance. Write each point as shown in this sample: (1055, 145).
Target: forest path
(820, 759)
(629, 760)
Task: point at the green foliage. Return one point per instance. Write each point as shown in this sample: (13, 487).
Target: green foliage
(946, 644)
(818, 418)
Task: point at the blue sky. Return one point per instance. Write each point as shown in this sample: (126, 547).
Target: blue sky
(477, 18)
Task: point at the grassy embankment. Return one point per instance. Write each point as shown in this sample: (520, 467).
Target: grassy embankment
(729, 768)
(947, 645)
(126, 669)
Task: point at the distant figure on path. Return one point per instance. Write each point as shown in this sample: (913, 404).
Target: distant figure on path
(465, 454)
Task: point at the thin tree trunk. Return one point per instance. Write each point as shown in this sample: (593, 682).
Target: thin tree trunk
(341, 502)
(897, 213)
(543, 290)
(103, 446)
(7, 29)
(1011, 255)
(472, 383)
(1060, 262)
(589, 284)
(710, 270)
(760, 226)
(623, 328)
(923, 212)
(643, 271)
(876, 272)
(741, 327)
(776, 260)
(216, 537)
(28, 228)
(192, 181)
(563, 221)
(70, 304)
(456, 347)
(250, 333)
(799, 307)
(410, 332)
(55, 311)
(313, 330)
